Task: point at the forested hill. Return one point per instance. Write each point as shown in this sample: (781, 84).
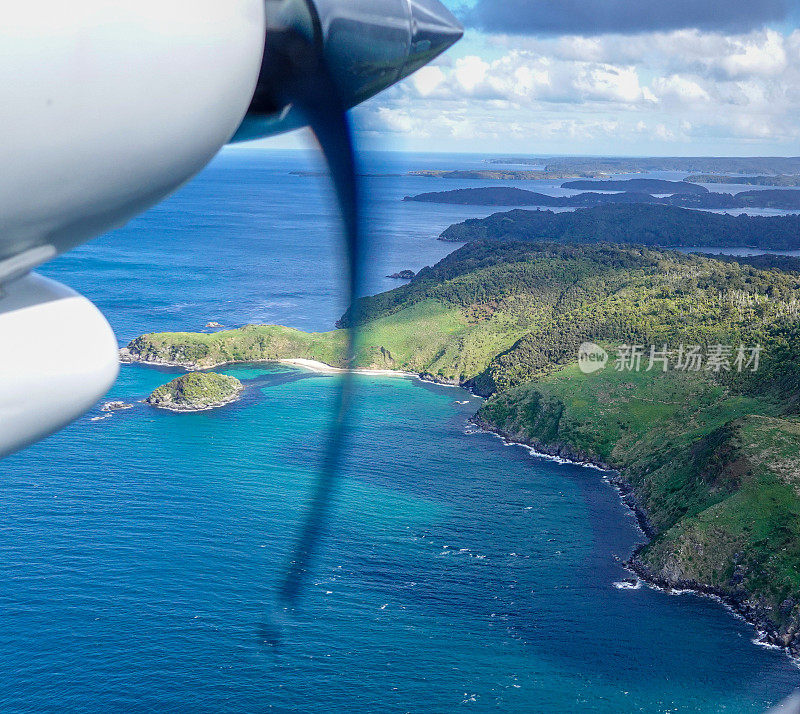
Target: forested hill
(653, 225)
(782, 199)
(712, 454)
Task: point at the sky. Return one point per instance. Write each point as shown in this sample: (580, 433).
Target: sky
(611, 77)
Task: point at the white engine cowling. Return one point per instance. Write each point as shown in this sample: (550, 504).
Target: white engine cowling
(58, 356)
(107, 107)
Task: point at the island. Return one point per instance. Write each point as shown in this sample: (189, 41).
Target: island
(708, 457)
(403, 275)
(496, 175)
(786, 199)
(115, 406)
(511, 196)
(196, 391)
(761, 165)
(745, 180)
(654, 225)
(638, 186)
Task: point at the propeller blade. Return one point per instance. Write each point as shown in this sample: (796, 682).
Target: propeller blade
(329, 122)
(309, 86)
(789, 706)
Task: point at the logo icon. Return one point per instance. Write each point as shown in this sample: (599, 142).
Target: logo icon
(591, 358)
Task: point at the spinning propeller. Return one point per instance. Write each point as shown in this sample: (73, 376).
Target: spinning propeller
(316, 66)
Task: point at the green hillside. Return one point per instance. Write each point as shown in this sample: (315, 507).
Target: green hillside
(711, 456)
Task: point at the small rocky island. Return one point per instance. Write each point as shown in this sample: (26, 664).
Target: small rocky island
(403, 275)
(196, 391)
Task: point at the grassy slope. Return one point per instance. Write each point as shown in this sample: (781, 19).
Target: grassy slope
(716, 472)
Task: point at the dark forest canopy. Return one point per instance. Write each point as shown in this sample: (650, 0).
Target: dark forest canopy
(653, 225)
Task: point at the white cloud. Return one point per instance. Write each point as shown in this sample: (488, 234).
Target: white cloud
(762, 57)
(470, 72)
(680, 89)
(428, 80)
(662, 132)
(571, 91)
(608, 83)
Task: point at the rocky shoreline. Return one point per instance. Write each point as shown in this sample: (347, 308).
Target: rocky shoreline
(739, 604)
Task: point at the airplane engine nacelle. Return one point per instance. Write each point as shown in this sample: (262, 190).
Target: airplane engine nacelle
(58, 357)
(107, 107)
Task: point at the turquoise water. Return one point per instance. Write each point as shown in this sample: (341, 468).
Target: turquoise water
(140, 553)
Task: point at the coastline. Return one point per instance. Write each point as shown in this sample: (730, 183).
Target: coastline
(309, 364)
(741, 608)
(195, 410)
(322, 368)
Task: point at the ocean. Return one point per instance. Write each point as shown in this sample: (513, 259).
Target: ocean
(141, 552)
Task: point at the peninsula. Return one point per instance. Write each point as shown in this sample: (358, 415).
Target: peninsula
(709, 457)
(654, 225)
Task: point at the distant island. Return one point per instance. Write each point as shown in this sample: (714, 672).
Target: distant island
(745, 180)
(490, 175)
(703, 199)
(709, 458)
(511, 196)
(638, 186)
(196, 391)
(751, 165)
(644, 224)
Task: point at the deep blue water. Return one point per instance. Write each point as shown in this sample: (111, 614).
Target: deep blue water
(140, 553)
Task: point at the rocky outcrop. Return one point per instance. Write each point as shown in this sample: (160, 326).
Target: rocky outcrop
(196, 391)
